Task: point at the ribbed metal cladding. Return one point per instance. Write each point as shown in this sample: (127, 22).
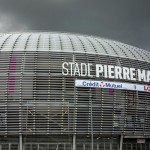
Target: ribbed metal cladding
(35, 98)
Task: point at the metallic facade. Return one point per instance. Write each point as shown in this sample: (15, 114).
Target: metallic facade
(36, 99)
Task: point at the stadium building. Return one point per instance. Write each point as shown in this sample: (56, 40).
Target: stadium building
(62, 91)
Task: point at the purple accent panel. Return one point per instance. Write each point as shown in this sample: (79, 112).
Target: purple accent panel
(111, 91)
(11, 84)
(12, 67)
(11, 79)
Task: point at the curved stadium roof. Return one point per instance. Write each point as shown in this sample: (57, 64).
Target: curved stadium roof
(66, 42)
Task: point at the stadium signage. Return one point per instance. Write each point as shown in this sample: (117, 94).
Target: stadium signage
(112, 85)
(106, 71)
(99, 84)
(147, 88)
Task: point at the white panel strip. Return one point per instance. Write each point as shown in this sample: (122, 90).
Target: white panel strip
(112, 85)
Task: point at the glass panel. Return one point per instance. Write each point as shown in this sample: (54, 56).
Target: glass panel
(129, 147)
(143, 146)
(34, 147)
(53, 146)
(27, 147)
(79, 147)
(14, 146)
(107, 146)
(61, 147)
(5, 146)
(95, 146)
(88, 146)
(114, 146)
(139, 147)
(134, 145)
(43, 147)
(124, 147)
(67, 146)
(147, 147)
(101, 146)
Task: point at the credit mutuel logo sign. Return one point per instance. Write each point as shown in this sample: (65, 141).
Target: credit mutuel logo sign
(147, 88)
(101, 84)
(107, 71)
(112, 85)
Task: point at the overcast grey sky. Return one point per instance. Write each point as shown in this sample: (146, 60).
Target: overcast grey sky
(127, 21)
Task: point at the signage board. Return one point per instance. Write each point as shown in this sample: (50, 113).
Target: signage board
(112, 85)
(141, 141)
(105, 71)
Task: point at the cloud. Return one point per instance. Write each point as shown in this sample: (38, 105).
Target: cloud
(126, 21)
(8, 24)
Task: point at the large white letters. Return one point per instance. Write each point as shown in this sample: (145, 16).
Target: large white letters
(141, 75)
(99, 70)
(105, 71)
(64, 69)
(110, 71)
